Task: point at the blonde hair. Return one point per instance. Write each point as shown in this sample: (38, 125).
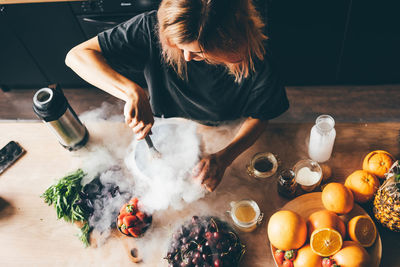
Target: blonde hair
(220, 27)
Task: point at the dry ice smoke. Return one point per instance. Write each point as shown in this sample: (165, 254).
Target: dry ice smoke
(166, 182)
(107, 112)
(159, 183)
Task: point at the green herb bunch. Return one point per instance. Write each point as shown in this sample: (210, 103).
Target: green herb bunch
(65, 195)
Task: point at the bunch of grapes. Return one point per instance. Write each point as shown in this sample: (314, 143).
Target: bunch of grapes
(205, 241)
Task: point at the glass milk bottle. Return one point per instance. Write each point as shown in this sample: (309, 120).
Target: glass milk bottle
(322, 138)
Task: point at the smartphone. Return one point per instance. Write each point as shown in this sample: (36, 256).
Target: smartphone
(9, 154)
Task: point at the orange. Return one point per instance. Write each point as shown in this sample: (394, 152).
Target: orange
(337, 198)
(362, 230)
(325, 219)
(378, 162)
(287, 230)
(363, 185)
(306, 258)
(352, 255)
(326, 242)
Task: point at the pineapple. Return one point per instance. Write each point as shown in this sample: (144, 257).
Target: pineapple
(387, 200)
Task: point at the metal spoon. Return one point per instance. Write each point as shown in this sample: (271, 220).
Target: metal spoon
(153, 151)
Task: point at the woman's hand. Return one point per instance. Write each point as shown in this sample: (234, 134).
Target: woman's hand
(210, 171)
(138, 114)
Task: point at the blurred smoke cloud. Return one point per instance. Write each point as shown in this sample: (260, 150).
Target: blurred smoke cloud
(160, 184)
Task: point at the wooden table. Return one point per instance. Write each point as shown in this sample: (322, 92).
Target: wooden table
(30, 234)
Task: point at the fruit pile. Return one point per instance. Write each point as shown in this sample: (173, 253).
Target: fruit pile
(131, 221)
(364, 183)
(365, 186)
(325, 232)
(205, 241)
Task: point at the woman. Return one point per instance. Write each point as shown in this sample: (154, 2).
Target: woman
(201, 59)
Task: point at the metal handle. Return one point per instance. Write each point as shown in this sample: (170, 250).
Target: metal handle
(149, 142)
(97, 21)
(260, 218)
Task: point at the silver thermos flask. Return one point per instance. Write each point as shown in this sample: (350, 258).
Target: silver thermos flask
(51, 106)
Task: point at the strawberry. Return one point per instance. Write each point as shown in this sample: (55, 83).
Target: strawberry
(135, 232)
(141, 216)
(134, 201)
(129, 220)
(287, 263)
(290, 255)
(278, 255)
(123, 210)
(119, 223)
(327, 262)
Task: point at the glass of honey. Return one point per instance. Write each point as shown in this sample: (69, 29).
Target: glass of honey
(262, 165)
(246, 214)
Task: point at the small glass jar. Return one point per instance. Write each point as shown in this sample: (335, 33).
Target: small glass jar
(246, 214)
(308, 174)
(287, 184)
(322, 138)
(262, 165)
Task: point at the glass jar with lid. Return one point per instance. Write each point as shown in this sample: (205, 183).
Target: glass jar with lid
(245, 214)
(287, 184)
(262, 165)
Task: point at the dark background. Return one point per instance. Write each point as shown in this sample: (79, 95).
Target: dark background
(340, 42)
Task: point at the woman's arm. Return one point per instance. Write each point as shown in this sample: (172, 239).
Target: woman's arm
(88, 62)
(210, 169)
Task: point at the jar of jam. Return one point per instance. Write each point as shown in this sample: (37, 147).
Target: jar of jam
(245, 214)
(262, 165)
(287, 184)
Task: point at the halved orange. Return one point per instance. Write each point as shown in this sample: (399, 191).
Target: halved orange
(362, 230)
(326, 242)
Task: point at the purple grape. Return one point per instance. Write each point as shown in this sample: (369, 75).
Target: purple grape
(195, 219)
(208, 235)
(195, 261)
(216, 236)
(204, 256)
(217, 263)
(197, 255)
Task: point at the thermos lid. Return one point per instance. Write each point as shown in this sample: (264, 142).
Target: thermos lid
(49, 104)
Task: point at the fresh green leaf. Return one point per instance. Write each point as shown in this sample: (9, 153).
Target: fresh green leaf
(63, 195)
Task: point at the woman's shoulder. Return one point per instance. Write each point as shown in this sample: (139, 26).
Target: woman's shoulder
(143, 20)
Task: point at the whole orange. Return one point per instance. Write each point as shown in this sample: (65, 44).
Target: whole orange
(325, 219)
(307, 258)
(352, 255)
(337, 198)
(363, 185)
(287, 230)
(378, 162)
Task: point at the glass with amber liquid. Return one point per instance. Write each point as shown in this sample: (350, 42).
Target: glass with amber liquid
(246, 214)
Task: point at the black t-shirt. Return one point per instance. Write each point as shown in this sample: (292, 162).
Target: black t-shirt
(209, 94)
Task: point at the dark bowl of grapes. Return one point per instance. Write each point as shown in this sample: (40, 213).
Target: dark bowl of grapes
(205, 241)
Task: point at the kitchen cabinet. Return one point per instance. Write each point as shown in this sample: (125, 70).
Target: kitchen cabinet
(48, 31)
(17, 67)
(306, 39)
(371, 51)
